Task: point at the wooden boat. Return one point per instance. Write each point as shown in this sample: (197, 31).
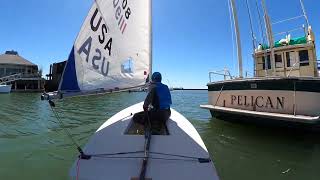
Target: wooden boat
(285, 86)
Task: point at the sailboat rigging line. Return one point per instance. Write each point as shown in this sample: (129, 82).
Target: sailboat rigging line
(119, 153)
(260, 22)
(82, 155)
(177, 155)
(232, 35)
(147, 137)
(219, 95)
(200, 160)
(251, 26)
(78, 168)
(112, 155)
(289, 19)
(126, 116)
(304, 12)
(95, 92)
(262, 39)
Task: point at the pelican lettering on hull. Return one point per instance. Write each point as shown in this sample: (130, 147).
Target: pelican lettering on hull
(258, 101)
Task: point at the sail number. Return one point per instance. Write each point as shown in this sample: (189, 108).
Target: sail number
(123, 6)
(122, 13)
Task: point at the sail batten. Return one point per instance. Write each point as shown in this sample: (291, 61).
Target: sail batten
(112, 49)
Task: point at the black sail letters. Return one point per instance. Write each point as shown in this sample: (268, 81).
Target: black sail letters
(108, 46)
(95, 27)
(90, 47)
(104, 31)
(85, 48)
(95, 58)
(107, 68)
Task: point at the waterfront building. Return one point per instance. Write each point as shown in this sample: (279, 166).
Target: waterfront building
(21, 73)
(54, 76)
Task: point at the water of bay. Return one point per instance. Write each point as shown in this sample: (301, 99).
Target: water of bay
(34, 146)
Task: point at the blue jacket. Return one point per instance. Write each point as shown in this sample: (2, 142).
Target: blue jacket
(159, 96)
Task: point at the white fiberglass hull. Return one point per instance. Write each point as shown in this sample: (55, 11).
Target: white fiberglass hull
(183, 140)
(5, 88)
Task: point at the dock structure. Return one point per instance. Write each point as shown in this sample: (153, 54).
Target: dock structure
(23, 75)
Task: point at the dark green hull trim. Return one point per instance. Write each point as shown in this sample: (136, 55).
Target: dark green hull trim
(282, 84)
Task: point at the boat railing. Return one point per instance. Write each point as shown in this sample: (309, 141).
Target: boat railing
(299, 30)
(248, 74)
(225, 73)
(30, 75)
(14, 77)
(295, 65)
(10, 78)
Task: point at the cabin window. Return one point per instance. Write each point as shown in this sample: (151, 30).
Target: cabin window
(304, 58)
(264, 62)
(291, 59)
(278, 60)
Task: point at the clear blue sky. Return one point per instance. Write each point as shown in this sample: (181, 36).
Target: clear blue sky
(190, 37)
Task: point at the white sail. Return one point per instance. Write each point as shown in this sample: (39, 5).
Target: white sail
(112, 50)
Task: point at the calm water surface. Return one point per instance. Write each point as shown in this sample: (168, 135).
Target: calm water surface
(33, 145)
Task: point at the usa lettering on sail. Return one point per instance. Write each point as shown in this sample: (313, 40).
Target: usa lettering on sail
(98, 61)
(104, 40)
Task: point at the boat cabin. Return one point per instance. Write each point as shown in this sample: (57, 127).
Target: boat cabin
(292, 58)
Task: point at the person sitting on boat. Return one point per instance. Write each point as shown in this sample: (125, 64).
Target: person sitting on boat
(157, 103)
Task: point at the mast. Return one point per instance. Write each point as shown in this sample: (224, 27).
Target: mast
(252, 36)
(150, 40)
(269, 35)
(237, 30)
(251, 26)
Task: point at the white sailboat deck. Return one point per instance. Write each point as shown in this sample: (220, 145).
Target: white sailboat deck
(182, 140)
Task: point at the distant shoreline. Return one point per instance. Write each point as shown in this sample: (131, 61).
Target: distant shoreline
(190, 89)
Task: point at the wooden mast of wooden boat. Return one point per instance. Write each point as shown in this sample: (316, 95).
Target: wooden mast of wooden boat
(237, 30)
(270, 37)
